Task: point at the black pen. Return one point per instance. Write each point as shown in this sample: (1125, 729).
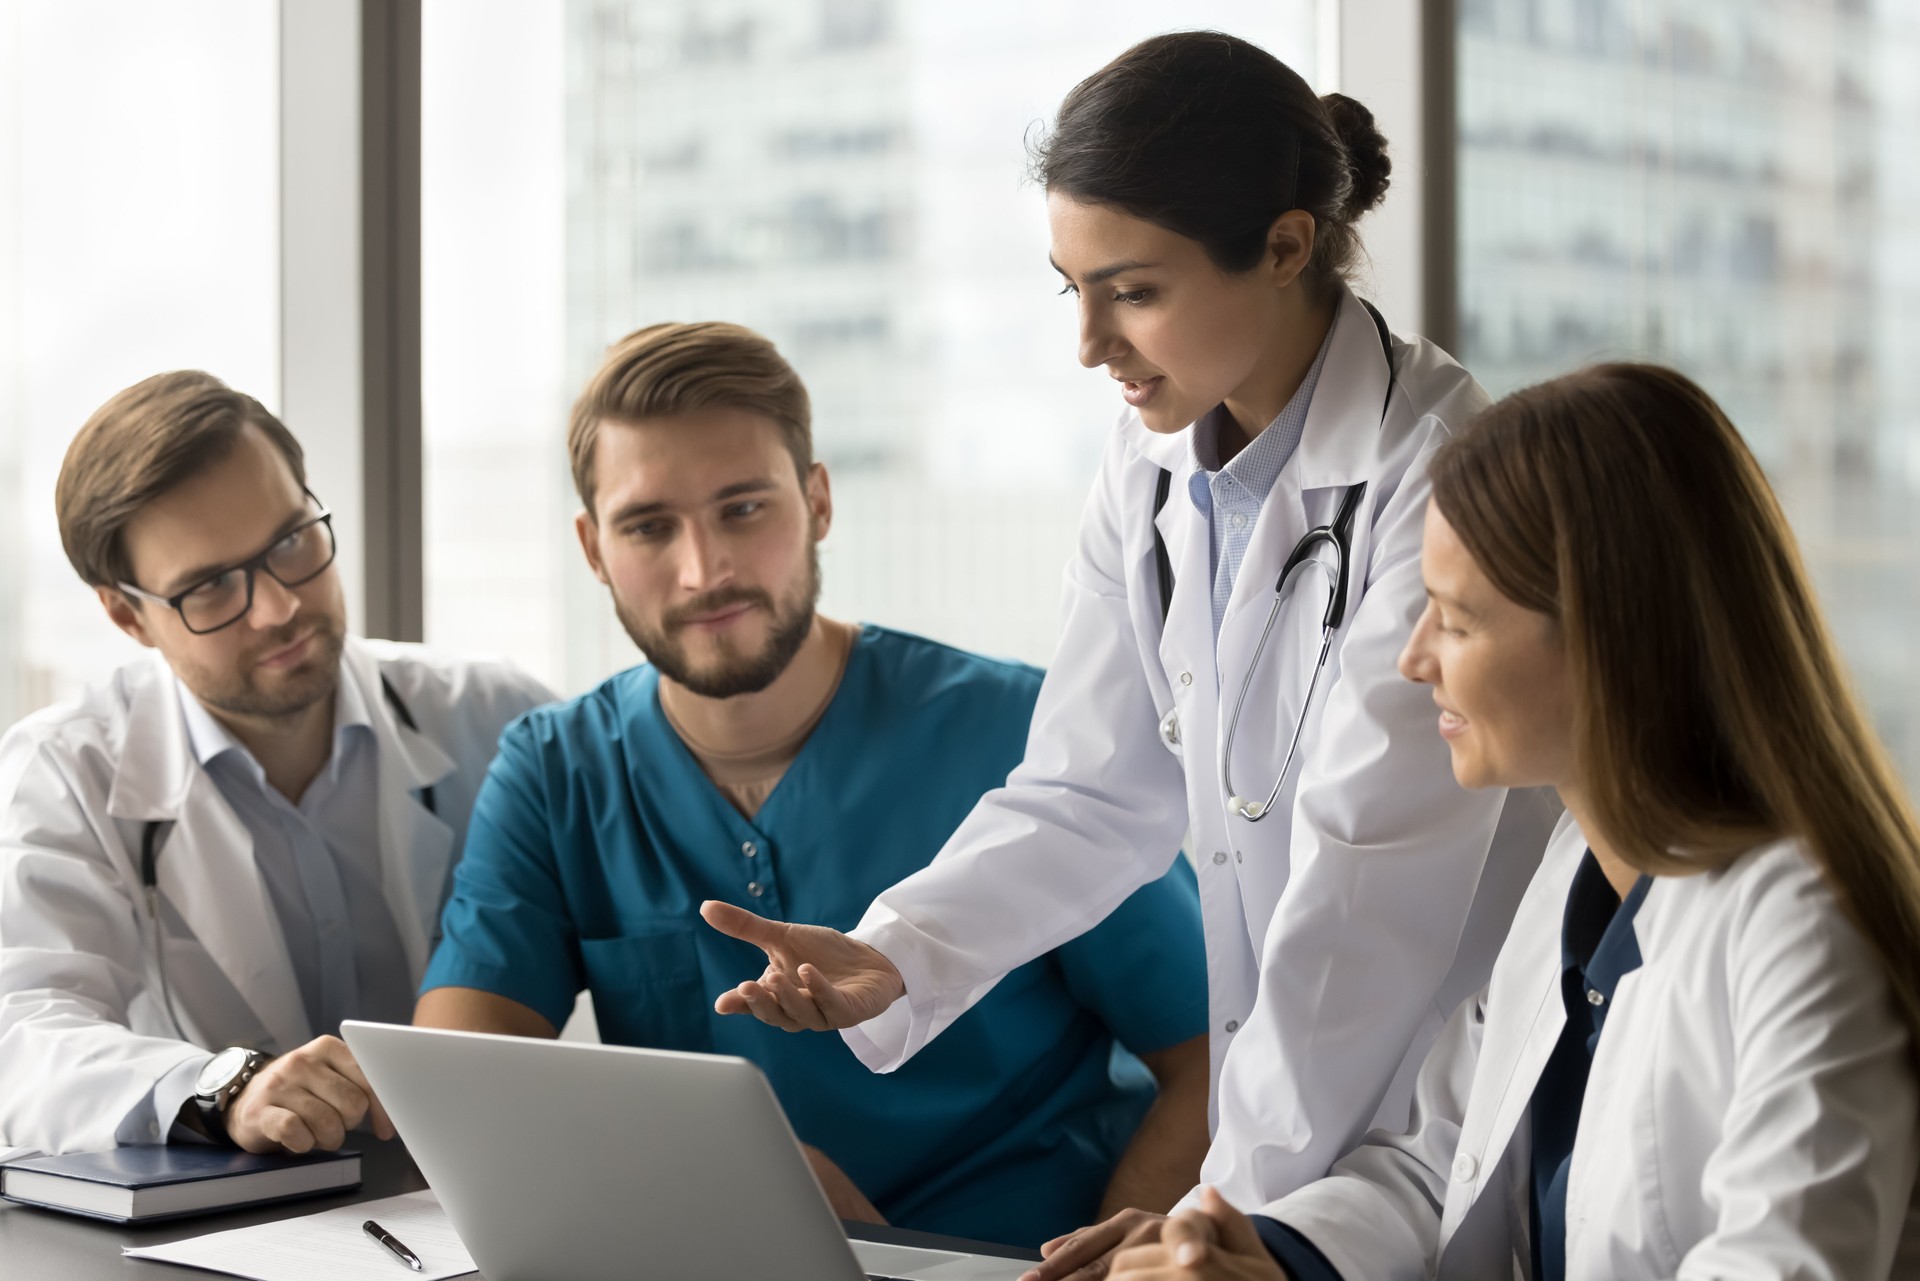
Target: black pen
(392, 1243)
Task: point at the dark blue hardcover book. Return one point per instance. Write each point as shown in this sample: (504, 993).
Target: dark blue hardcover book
(141, 1184)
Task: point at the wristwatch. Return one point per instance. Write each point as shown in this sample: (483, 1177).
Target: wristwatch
(220, 1082)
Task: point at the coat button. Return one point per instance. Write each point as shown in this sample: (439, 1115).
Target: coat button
(756, 889)
(1238, 857)
(746, 847)
(1186, 678)
(1233, 1025)
(1464, 1168)
(1170, 728)
(1219, 856)
(1595, 998)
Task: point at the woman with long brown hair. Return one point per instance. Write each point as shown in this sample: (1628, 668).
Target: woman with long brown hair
(1696, 1056)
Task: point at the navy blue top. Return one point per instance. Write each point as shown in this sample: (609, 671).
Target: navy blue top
(1292, 1251)
(596, 836)
(1597, 950)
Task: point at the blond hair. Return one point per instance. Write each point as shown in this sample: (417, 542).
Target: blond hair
(670, 369)
(142, 443)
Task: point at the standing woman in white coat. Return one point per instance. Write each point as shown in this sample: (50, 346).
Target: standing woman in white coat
(1696, 1057)
(1203, 203)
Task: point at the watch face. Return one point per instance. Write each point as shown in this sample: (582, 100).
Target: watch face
(219, 1073)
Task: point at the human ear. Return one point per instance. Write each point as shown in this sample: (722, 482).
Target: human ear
(125, 615)
(819, 500)
(588, 531)
(1289, 246)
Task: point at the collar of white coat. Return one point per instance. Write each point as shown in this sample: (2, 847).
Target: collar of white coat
(1353, 385)
(158, 757)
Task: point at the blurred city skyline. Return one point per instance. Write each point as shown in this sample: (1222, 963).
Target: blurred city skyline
(1726, 185)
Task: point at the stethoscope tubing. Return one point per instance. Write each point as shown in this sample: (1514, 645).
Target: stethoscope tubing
(1254, 811)
(1337, 534)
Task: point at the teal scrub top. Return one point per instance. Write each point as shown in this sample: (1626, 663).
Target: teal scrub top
(596, 836)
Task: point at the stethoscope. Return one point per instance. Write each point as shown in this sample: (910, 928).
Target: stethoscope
(153, 838)
(1337, 535)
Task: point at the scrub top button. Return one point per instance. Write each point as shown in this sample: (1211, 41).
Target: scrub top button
(1595, 998)
(1186, 678)
(1233, 1025)
(1219, 856)
(1239, 521)
(1464, 1168)
(746, 847)
(756, 889)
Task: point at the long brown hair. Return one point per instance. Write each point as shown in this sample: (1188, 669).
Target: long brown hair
(1712, 709)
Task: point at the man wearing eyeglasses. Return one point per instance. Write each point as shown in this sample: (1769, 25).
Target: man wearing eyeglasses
(217, 855)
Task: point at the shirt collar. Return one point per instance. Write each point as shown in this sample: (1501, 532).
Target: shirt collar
(1597, 937)
(211, 740)
(1258, 466)
(209, 737)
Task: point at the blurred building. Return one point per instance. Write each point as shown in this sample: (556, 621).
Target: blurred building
(1727, 186)
(751, 160)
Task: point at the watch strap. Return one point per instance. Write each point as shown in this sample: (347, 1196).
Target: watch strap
(212, 1108)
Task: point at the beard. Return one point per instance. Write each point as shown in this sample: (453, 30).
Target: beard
(731, 672)
(241, 691)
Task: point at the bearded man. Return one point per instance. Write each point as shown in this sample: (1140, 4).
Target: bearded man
(770, 757)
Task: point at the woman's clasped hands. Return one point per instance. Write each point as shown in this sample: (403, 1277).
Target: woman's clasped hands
(1213, 1243)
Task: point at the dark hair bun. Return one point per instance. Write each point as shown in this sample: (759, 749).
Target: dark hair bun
(1367, 161)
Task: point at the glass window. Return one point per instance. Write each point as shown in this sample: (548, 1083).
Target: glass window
(139, 232)
(843, 175)
(1731, 187)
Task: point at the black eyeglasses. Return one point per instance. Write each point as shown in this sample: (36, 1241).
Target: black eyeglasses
(223, 598)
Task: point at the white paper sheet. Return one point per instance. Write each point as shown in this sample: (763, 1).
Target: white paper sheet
(328, 1246)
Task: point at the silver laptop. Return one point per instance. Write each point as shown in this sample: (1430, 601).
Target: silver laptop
(558, 1160)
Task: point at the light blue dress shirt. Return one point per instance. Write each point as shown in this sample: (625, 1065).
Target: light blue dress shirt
(1230, 496)
(320, 861)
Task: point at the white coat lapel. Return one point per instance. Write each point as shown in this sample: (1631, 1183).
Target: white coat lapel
(1187, 643)
(416, 847)
(1524, 1020)
(206, 868)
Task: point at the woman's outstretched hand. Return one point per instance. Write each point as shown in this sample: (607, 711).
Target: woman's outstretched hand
(817, 980)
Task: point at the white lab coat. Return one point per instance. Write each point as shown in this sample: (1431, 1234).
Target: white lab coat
(84, 1035)
(1751, 1111)
(1342, 928)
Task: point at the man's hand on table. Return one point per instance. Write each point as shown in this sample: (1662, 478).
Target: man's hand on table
(306, 1100)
